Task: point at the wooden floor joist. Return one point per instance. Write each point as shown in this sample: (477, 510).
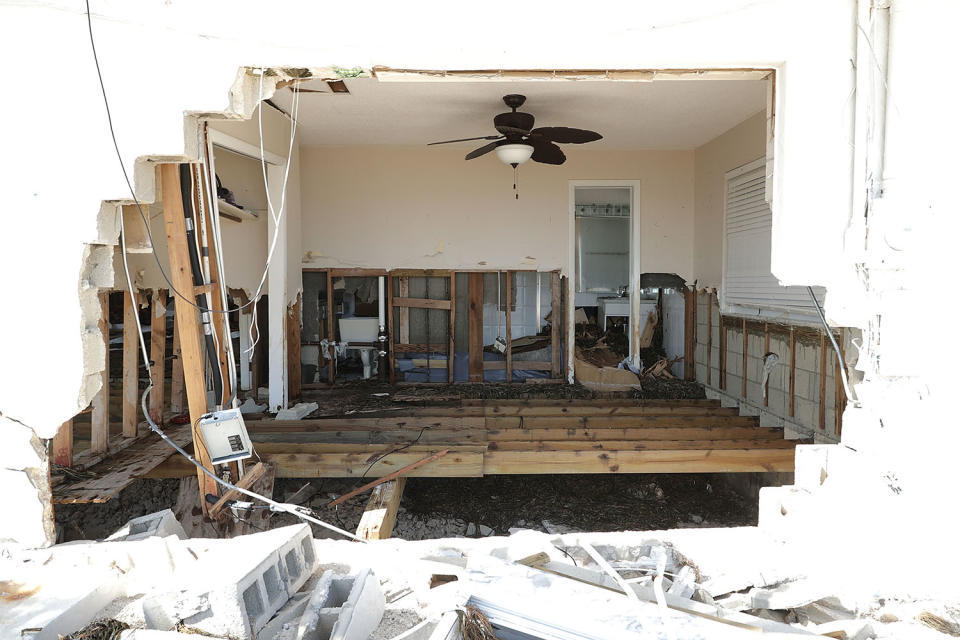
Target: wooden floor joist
(158, 346)
(131, 364)
(100, 417)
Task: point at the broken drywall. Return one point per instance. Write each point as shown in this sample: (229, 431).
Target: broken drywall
(25, 479)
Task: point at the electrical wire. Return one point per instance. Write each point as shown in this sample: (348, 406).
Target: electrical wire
(278, 506)
(136, 201)
(833, 341)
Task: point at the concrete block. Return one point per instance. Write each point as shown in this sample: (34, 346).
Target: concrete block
(160, 524)
(237, 585)
(343, 608)
(298, 412)
(250, 406)
(810, 466)
(781, 509)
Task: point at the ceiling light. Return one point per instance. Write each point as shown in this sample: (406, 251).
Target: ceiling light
(514, 154)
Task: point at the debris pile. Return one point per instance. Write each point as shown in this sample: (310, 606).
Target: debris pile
(148, 579)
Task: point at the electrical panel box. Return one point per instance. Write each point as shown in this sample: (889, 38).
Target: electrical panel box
(225, 436)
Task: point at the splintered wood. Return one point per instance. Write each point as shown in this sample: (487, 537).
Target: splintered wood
(107, 478)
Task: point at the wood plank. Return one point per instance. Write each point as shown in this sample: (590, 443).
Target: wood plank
(63, 444)
(177, 401)
(723, 355)
(347, 424)
(390, 476)
(793, 369)
(821, 423)
(521, 365)
(637, 445)
(117, 471)
(475, 310)
(591, 402)
(690, 333)
(331, 330)
(839, 396)
(392, 354)
(380, 514)
(420, 273)
(608, 422)
(565, 305)
(556, 322)
(249, 478)
(131, 365)
(420, 347)
(100, 417)
(294, 368)
(421, 303)
(560, 411)
(452, 326)
(404, 292)
(709, 338)
(372, 436)
(187, 318)
(766, 350)
(158, 347)
(684, 461)
(745, 341)
(460, 462)
(506, 311)
(645, 433)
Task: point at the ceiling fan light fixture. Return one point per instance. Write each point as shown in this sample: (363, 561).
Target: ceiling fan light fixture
(514, 154)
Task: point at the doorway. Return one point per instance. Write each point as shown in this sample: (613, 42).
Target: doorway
(604, 259)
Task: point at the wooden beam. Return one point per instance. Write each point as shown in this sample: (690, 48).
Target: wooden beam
(723, 355)
(380, 514)
(131, 365)
(793, 370)
(636, 434)
(63, 444)
(745, 340)
(621, 421)
(421, 347)
(404, 319)
(293, 350)
(176, 366)
(684, 461)
(453, 314)
(391, 355)
(766, 350)
(709, 337)
(421, 303)
(331, 331)
(640, 445)
(556, 323)
(391, 476)
(251, 476)
(158, 346)
(187, 318)
(475, 310)
(821, 423)
(506, 311)
(520, 365)
(838, 396)
(690, 335)
(100, 418)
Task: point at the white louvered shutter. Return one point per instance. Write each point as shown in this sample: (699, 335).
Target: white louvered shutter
(748, 285)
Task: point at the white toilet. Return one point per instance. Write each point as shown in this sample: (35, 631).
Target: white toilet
(361, 330)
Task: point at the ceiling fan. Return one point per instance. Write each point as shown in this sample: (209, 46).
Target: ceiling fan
(518, 141)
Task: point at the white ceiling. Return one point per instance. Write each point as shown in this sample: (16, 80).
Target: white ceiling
(668, 114)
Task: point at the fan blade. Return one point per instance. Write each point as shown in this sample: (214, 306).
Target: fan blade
(487, 148)
(567, 134)
(546, 152)
(465, 140)
(505, 130)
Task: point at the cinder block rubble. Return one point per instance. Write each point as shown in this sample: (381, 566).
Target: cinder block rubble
(161, 524)
(298, 412)
(343, 608)
(235, 588)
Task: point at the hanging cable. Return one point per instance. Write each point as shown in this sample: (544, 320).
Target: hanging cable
(836, 347)
(283, 507)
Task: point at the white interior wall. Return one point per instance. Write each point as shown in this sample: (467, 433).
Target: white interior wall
(419, 207)
(731, 149)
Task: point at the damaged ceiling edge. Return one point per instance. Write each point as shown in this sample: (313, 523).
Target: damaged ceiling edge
(388, 74)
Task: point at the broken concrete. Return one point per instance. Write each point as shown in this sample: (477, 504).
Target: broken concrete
(160, 524)
(298, 412)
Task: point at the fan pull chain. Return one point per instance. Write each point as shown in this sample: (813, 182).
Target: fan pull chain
(516, 193)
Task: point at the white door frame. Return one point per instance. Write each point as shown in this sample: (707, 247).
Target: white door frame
(277, 380)
(635, 271)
